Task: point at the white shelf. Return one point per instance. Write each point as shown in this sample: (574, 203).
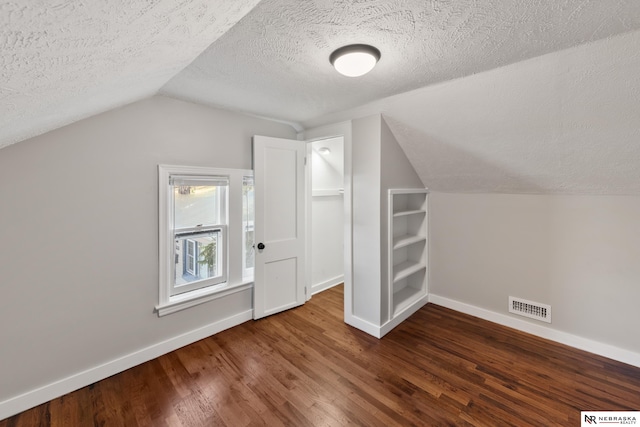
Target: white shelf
(406, 269)
(406, 240)
(327, 192)
(405, 213)
(407, 250)
(405, 297)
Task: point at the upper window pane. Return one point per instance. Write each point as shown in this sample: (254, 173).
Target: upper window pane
(196, 205)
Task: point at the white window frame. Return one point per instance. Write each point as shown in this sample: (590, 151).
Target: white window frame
(232, 240)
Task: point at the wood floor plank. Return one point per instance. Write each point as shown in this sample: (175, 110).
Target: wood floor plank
(305, 367)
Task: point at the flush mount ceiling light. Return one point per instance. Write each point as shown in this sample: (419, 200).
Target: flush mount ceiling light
(325, 151)
(355, 60)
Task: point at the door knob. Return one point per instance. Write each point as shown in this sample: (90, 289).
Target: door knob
(261, 246)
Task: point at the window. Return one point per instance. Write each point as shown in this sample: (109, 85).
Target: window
(198, 226)
(206, 234)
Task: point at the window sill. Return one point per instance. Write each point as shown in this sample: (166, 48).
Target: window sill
(199, 296)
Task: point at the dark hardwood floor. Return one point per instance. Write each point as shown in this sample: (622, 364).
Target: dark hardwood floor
(305, 367)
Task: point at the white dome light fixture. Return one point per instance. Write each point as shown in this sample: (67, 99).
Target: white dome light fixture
(355, 60)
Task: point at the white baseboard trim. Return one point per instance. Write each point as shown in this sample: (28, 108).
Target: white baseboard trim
(404, 315)
(58, 388)
(323, 286)
(363, 325)
(380, 331)
(601, 349)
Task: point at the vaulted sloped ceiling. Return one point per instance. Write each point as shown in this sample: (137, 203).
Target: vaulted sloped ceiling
(64, 60)
(484, 95)
(275, 61)
(564, 123)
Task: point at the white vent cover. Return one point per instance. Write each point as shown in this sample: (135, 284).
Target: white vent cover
(533, 310)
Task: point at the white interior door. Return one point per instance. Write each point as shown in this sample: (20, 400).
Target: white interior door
(279, 171)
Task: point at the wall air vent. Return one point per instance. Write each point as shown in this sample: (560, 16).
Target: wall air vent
(533, 310)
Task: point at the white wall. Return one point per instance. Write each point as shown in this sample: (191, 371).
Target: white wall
(327, 205)
(79, 225)
(577, 253)
(366, 158)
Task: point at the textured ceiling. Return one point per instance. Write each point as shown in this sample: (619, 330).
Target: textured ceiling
(563, 123)
(63, 60)
(523, 96)
(274, 62)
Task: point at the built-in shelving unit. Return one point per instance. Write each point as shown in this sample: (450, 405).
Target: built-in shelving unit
(408, 250)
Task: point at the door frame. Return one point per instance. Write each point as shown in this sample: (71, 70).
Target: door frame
(343, 130)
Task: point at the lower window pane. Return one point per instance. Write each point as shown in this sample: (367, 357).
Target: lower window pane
(198, 257)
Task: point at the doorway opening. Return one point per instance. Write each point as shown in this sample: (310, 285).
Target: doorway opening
(321, 135)
(327, 208)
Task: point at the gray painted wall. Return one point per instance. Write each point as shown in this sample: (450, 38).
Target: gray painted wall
(79, 233)
(577, 253)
